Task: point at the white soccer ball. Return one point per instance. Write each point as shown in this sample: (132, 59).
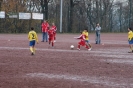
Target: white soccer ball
(72, 46)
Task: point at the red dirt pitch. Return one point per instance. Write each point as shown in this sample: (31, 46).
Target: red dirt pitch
(107, 65)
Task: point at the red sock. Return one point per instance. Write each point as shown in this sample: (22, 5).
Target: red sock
(87, 46)
(79, 46)
(52, 44)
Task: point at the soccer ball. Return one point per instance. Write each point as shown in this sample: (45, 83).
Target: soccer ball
(72, 46)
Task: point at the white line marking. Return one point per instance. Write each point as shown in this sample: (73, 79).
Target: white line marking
(121, 82)
(63, 50)
(117, 56)
(115, 42)
(40, 49)
(113, 53)
(121, 61)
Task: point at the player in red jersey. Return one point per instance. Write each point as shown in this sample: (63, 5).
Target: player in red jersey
(82, 41)
(55, 29)
(51, 36)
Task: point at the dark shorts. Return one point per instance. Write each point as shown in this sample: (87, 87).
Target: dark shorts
(82, 43)
(131, 41)
(32, 43)
(51, 38)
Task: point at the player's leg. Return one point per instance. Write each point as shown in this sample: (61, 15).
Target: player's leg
(49, 40)
(32, 51)
(52, 40)
(43, 35)
(96, 37)
(79, 43)
(46, 33)
(90, 46)
(131, 46)
(98, 41)
(54, 37)
(87, 42)
(87, 47)
(52, 43)
(78, 47)
(34, 47)
(31, 47)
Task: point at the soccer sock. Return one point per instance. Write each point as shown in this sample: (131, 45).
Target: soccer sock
(87, 46)
(90, 45)
(34, 50)
(52, 44)
(79, 46)
(49, 42)
(131, 48)
(31, 49)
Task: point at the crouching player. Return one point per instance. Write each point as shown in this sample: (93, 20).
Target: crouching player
(82, 42)
(51, 36)
(33, 38)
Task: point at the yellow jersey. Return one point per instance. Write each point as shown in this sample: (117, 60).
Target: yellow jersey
(86, 35)
(32, 36)
(130, 35)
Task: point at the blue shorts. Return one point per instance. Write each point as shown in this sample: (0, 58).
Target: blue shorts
(32, 43)
(87, 41)
(131, 41)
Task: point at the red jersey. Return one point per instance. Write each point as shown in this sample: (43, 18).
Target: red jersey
(54, 28)
(51, 33)
(82, 37)
(45, 27)
(82, 40)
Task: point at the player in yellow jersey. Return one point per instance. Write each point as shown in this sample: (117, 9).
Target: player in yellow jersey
(33, 38)
(130, 39)
(85, 32)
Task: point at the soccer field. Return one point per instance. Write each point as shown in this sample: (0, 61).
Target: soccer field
(108, 65)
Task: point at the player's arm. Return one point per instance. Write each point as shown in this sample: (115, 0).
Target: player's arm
(55, 28)
(87, 34)
(29, 35)
(132, 36)
(36, 37)
(84, 37)
(78, 37)
(129, 36)
(48, 32)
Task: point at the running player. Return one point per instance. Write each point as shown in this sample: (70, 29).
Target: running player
(55, 29)
(51, 36)
(33, 38)
(130, 39)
